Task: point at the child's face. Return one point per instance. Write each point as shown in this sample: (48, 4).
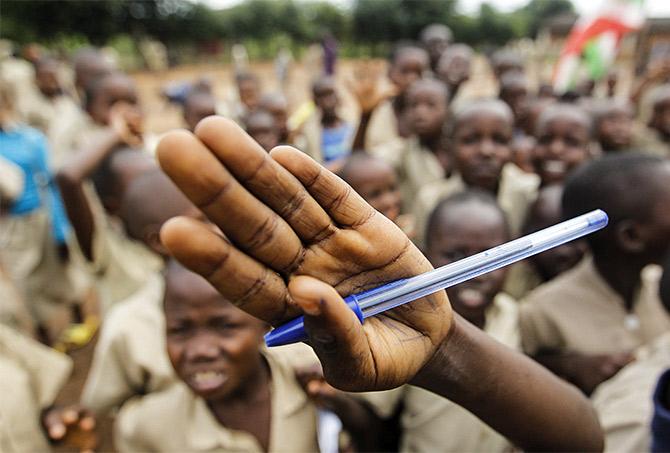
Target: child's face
(262, 128)
(199, 109)
(249, 93)
(516, 96)
(454, 69)
(615, 129)
(426, 109)
(213, 346)
(46, 78)
(482, 144)
(325, 98)
(408, 67)
(465, 230)
(378, 185)
(562, 145)
(116, 90)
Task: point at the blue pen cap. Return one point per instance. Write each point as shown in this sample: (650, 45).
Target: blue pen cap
(294, 330)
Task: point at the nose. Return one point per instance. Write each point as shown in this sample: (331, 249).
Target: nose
(556, 147)
(487, 147)
(202, 348)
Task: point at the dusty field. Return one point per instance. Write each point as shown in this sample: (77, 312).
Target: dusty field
(162, 117)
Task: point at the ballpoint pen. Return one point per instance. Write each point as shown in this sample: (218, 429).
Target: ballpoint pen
(390, 295)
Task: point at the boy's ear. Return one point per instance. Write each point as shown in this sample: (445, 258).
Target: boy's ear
(629, 237)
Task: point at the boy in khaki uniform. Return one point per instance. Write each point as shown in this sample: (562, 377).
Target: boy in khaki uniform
(386, 121)
(231, 396)
(585, 323)
(130, 357)
(655, 138)
(461, 225)
(528, 274)
(482, 162)
(119, 265)
(32, 375)
(624, 403)
(422, 158)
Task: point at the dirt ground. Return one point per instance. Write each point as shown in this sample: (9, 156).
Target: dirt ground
(161, 116)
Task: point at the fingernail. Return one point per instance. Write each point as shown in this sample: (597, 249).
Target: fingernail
(87, 424)
(69, 416)
(57, 431)
(310, 306)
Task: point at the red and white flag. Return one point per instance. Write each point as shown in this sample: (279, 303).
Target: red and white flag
(594, 41)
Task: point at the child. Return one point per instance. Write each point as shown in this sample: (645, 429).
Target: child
(332, 235)
(585, 323)
(232, 395)
(513, 91)
(656, 137)
(262, 127)
(436, 39)
(625, 403)
(32, 376)
(422, 158)
(276, 104)
(527, 275)
(504, 61)
(480, 137)
(563, 135)
(35, 231)
(387, 123)
(376, 181)
(247, 96)
(120, 265)
(454, 67)
(613, 124)
(130, 355)
(198, 104)
(462, 225)
(328, 137)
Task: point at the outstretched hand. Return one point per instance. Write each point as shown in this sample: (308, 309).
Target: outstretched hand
(299, 238)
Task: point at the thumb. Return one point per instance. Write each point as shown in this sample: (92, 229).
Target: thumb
(334, 331)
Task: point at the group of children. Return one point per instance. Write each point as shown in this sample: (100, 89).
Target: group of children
(168, 364)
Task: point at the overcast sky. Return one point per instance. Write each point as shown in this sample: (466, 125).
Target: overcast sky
(654, 8)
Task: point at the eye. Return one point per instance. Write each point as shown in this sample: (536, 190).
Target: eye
(453, 255)
(501, 139)
(179, 329)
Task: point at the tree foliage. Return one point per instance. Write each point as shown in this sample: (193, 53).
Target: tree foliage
(183, 22)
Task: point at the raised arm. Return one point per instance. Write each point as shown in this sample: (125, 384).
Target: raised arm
(298, 238)
(81, 166)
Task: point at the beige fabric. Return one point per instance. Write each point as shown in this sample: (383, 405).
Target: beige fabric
(521, 279)
(624, 403)
(32, 375)
(120, 265)
(30, 257)
(415, 166)
(11, 181)
(13, 311)
(130, 357)
(516, 193)
(178, 420)
(648, 140)
(431, 423)
(579, 312)
(383, 127)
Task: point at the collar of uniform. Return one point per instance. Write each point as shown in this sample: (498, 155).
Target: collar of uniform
(205, 432)
(586, 270)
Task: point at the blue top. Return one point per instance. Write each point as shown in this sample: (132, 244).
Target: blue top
(335, 142)
(660, 424)
(27, 148)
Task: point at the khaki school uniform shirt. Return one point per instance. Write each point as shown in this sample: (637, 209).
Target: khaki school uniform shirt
(431, 423)
(579, 312)
(130, 357)
(178, 420)
(624, 403)
(31, 375)
(383, 126)
(517, 191)
(648, 140)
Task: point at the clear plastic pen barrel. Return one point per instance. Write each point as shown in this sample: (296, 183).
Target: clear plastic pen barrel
(481, 263)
